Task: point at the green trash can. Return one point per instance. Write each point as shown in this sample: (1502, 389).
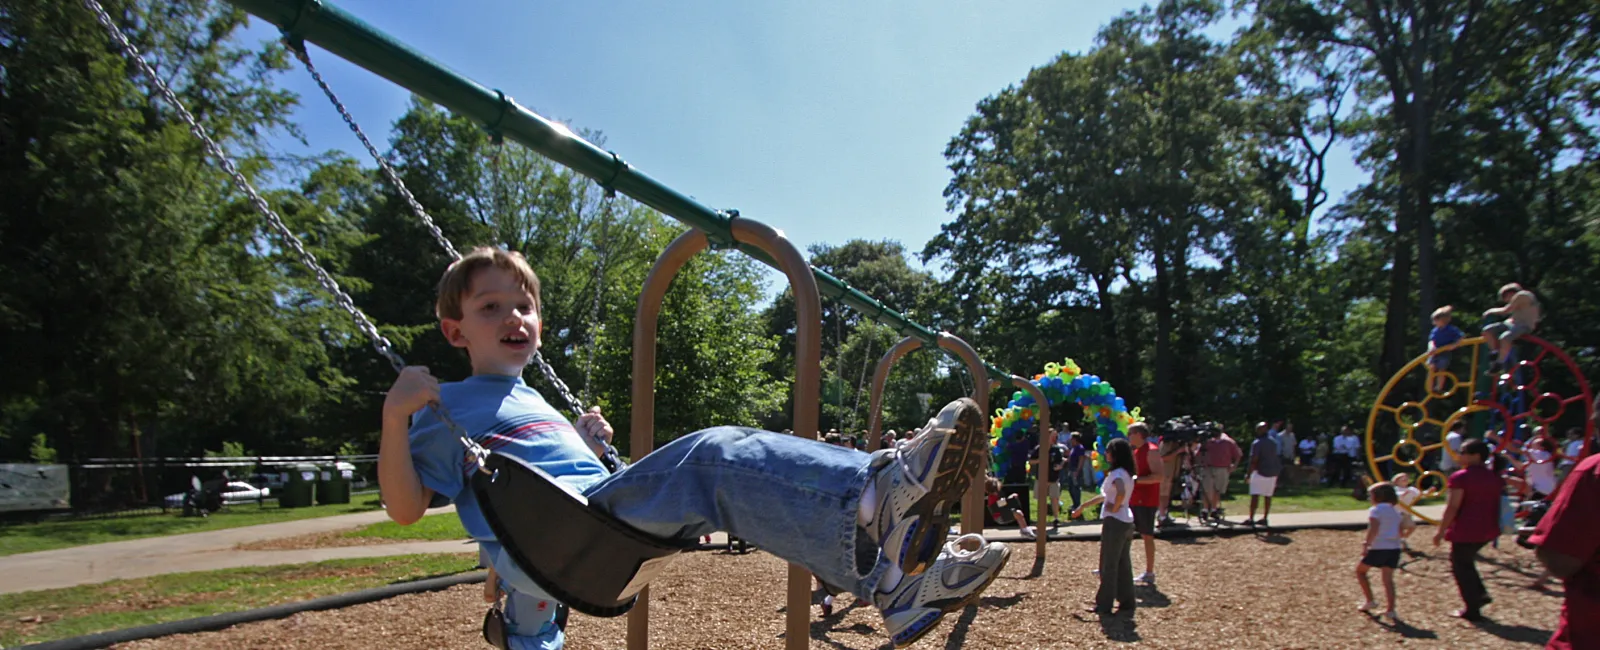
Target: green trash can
(333, 485)
(299, 490)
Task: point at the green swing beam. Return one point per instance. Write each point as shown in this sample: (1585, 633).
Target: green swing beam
(348, 37)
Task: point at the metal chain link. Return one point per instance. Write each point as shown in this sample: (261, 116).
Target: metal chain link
(306, 258)
(417, 210)
(298, 47)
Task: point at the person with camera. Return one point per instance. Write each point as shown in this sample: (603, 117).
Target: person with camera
(1219, 454)
(1173, 450)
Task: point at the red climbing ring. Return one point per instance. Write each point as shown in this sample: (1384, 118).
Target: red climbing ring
(1561, 408)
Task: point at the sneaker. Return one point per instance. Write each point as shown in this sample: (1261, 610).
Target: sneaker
(1146, 578)
(955, 579)
(921, 479)
(1262, 523)
(1029, 532)
(1095, 572)
(827, 606)
(1249, 523)
(1391, 617)
(1367, 606)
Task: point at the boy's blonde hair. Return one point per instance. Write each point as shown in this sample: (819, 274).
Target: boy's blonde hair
(1443, 312)
(457, 279)
(1383, 492)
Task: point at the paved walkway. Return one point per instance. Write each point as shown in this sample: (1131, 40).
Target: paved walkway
(215, 549)
(1334, 519)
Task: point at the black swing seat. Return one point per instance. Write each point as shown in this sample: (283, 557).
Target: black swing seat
(583, 557)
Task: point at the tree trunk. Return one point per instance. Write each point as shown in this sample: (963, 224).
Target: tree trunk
(1116, 369)
(1163, 308)
(1396, 324)
(1418, 190)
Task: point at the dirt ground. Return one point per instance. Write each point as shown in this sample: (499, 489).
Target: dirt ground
(1291, 590)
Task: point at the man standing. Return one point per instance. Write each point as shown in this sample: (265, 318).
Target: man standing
(1287, 443)
(1568, 541)
(1345, 449)
(1218, 457)
(1146, 495)
(1265, 464)
(1077, 459)
(1056, 460)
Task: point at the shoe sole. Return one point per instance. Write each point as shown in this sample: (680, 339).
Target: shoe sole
(959, 462)
(959, 605)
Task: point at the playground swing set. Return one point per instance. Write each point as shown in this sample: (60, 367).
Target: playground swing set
(597, 564)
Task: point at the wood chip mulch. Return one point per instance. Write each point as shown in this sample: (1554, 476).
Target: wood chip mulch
(1292, 590)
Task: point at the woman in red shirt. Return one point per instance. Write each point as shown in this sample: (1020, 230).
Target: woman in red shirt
(1471, 520)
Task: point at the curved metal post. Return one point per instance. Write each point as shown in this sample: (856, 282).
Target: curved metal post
(880, 377)
(642, 437)
(807, 385)
(972, 505)
(1047, 438)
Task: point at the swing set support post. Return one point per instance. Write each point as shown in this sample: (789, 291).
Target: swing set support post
(342, 34)
(1047, 439)
(972, 501)
(807, 386)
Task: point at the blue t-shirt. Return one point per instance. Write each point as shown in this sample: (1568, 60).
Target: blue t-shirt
(502, 414)
(1443, 336)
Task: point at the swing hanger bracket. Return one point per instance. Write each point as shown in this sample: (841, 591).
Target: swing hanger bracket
(506, 105)
(306, 7)
(609, 185)
(720, 242)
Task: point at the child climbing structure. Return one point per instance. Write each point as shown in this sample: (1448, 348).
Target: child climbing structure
(1539, 389)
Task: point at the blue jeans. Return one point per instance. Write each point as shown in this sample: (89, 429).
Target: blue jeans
(1070, 480)
(794, 498)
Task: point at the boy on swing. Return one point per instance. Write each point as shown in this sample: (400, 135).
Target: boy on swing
(872, 524)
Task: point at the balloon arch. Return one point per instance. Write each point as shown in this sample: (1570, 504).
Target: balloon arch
(1062, 383)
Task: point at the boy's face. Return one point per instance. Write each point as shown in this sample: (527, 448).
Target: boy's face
(1441, 321)
(499, 326)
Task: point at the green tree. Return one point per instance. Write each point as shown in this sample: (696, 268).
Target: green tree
(141, 308)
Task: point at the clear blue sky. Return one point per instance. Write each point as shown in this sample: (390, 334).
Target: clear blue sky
(825, 119)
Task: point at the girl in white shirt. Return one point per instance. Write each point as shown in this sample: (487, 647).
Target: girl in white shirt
(1116, 532)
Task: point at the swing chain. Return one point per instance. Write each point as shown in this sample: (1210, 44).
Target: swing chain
(560, 386)
(298, 46)
(306, 258)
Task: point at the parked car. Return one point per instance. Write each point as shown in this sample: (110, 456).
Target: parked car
(272, 480)
(232, 492)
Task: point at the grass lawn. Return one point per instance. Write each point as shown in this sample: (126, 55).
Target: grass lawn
(444, 527)
(34, 616)
(62, 533)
